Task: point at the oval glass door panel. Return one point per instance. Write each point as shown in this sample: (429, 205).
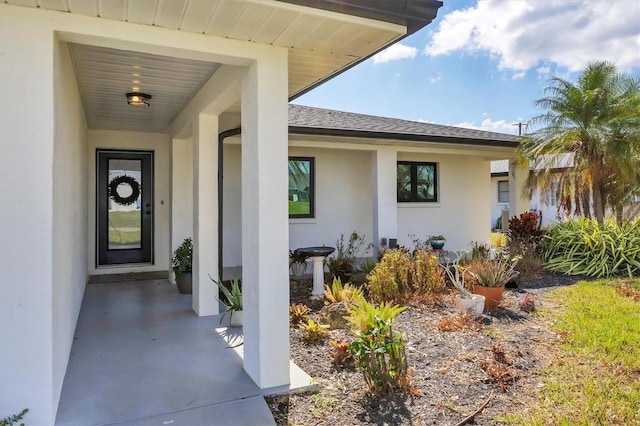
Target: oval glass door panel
(125, 197)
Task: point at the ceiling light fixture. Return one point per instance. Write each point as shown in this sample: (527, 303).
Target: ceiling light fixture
(138, 99)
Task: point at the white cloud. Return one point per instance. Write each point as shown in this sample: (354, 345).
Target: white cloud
(488, 125)
(435, 79)
(394, 53)
(522, 34)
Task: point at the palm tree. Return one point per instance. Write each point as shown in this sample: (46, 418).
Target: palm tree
(594, 123)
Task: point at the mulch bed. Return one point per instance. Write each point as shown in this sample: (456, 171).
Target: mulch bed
(453, 373)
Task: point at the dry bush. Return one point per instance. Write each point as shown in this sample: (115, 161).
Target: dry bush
(498, 367)
(399, 277)
(458, 321)
(629, 292)
(298, 313)
(527, 304)
(340, 354)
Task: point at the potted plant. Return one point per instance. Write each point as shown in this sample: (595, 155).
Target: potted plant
(232, 301)
(490, 277)
(466, 301)
(297, 263)
(343, 260)
(436, 241)
(181, 262)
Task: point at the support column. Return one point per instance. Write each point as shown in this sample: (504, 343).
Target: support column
(181, 192)
(385, 201)
(205, 214)
(265, 224)
(518, 201)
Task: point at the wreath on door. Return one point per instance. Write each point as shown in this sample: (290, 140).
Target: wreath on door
(127, 180)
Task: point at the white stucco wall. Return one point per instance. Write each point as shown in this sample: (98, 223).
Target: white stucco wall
(69, 212)
(343, 200)
(463, 210)
(160, 144)
(26, 217)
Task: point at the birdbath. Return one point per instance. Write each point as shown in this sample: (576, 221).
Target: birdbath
(317, 254)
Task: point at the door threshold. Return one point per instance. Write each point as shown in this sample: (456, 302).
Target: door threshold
(130, 276)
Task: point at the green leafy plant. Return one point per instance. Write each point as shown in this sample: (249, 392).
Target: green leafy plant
(298, 313)
(337, 292)
(182, 258)
(378, 350)
(480, 250)
(583, 247)
(232, 298)
(314, 332)
(295, 256)
(13, 420)
(493, 273)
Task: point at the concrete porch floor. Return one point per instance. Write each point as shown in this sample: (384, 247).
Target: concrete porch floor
(141, 357)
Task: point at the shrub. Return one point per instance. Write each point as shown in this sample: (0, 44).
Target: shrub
(342, 293)
(583, 247)
(379, 351)
(427, 276)
(399, 276)
(524, 240)
(492, 273)
(298, 313)
(314, 332)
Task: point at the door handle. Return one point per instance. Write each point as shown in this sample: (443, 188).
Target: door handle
(148, 212)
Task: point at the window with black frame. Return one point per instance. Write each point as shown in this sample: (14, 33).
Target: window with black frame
(503, 191)
(301, 187)
(417, 182)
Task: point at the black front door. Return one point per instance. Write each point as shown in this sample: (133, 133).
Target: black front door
(124, 232)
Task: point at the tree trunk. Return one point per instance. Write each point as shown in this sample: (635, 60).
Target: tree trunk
(598, 201)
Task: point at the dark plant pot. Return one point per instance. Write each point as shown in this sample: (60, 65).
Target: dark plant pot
(183, 281)
(437, 245)
(492, 295)
(344, 273)
(514, 282)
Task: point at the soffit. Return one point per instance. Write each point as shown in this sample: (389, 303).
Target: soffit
(321, 43)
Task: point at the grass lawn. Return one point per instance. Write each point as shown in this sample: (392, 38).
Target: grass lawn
(126, 238)
(298, 207)
(130, 219)
(595, 379)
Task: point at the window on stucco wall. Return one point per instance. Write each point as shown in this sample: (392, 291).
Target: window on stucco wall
(301, 187)
(503, 191)
(417, 182)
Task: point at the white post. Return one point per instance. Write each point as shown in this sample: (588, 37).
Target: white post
(265, 224)
(518, 201)
(205, 214)
(385, 205)
(181, 192)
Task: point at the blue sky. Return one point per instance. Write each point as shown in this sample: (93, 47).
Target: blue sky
(483, 63)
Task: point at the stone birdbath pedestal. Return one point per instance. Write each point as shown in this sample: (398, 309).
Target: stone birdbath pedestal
(317, 254)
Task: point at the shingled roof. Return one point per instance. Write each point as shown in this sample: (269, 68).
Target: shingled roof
(320, 121)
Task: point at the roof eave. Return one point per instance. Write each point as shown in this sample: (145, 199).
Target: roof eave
(361, 134)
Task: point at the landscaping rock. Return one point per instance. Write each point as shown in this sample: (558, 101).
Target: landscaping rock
(334, 314)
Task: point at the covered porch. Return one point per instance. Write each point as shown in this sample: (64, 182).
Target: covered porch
(141, 356)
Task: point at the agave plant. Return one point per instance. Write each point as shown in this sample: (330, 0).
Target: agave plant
(232, 298)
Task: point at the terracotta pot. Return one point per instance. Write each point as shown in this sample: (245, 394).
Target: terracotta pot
(492, 295)
(473, 306)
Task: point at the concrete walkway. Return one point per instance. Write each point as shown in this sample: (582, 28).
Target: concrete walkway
(142, 357)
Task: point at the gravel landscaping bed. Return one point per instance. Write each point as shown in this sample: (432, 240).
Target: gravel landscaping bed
(453, 373)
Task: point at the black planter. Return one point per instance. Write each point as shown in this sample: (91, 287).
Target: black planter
(183, 281)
